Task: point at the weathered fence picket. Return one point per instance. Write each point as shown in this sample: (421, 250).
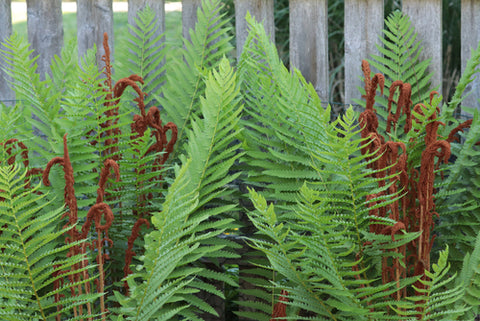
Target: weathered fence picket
(363, 26)
(45, 31)
(426, 18)
(6, 93)
(309, 42)
(470, 37)
(308, 33)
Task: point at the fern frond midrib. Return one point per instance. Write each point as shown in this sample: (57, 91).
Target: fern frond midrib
(198, 81)
(25, 256)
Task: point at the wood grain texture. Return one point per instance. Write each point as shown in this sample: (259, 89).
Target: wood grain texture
(309, 42)
(363, 27)
(86, 28)
(6, 94)
(45, 31)
(103, 15)
(426, 18)
(262, 10)
(189, 16)
(470, 38)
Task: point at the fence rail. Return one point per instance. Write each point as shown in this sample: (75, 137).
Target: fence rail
(308, 33)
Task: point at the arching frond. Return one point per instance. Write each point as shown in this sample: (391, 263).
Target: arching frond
(191, 221)
(208, 43)
(33, 258)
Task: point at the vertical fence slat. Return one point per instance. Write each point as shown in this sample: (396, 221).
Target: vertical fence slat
(426, 18)
(262, 10)
(45, 31)
(6, 94)
(86, 29)
(470, 36)
(363, 26)
(189, 16)
(309, 42)
(103, 15)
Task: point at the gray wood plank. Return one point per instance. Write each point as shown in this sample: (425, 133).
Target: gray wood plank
(86, 27)
(262, 10)
(426, 18)
(45, 31)
(470, 37)
(363, 27)
(309, 42)
(189, 16)
(6, 94)
(103, 13)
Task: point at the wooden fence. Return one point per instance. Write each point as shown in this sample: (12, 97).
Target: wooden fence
(308, 33)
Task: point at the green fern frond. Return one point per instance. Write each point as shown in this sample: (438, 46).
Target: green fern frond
(467, 77)
(285, 120)
(460, 212)
(144, 57)
(31, 253)
(469, 280)
(436, 294)
(34, 96)
(400, 60)
(320, 245)
(186, 82)
(185, 229)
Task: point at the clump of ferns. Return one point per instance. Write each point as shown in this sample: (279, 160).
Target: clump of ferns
(409, 167)
(143, 159)
(148, 156)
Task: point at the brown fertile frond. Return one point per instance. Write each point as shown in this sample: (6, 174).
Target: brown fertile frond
(371, 85)
(107, 165)
(131, 81)
(69, 192)
(24, 153)
(108, 66)
(453, 134)
(280, 308)
(129, 254)
(404, 104)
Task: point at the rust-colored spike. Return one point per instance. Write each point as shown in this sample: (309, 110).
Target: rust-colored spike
(129, 254)
(280, 308)
(453, 134)
(107, 165)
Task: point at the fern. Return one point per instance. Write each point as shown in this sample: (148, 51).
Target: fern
(400, 61)
(186, 230)
(435, 295)
(185, 83)
(320, 250)
(469, 280)
(31, 253)
(144, 57)
(460, 212)
(285, 119)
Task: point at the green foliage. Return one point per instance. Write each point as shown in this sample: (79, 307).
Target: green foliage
(32, 254)
(320, 250)
(399, 60)
(185, 228)
(260, 126)
(208, 43)
(143, 56)
(434, 295)
(285, 120)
